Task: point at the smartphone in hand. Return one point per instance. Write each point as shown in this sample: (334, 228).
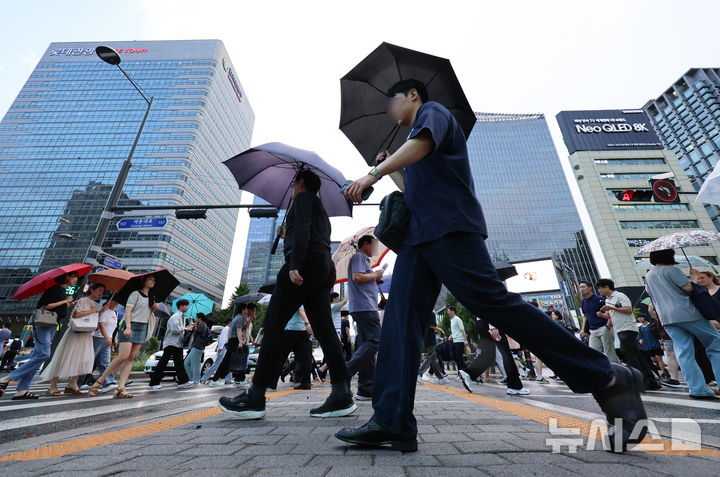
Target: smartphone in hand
(365, 195)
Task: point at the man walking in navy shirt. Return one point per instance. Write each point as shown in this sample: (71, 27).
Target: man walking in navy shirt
(600, 332)
(445, 243)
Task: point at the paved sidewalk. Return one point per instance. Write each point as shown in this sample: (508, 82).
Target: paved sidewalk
(460, 435)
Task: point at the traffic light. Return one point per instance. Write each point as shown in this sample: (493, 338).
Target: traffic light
(634, 195)
(191, 214)
(263, 213)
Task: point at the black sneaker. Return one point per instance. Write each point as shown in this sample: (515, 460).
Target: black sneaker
(335, 407)
(243, 406)
(671, 383)
(652, 386)
(372, 435)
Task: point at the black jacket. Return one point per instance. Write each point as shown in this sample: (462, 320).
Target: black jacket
(308, 230)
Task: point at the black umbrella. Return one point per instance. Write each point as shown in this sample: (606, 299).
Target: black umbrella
(165, 283)
(248, 298)
(268, 286)
(363, 117)
(505, 270)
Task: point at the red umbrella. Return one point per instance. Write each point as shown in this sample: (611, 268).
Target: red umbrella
(46, 280)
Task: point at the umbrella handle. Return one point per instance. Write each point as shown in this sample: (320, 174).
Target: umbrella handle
(275, 245)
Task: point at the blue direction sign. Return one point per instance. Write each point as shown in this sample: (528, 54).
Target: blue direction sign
(110, 262)
(142, 223)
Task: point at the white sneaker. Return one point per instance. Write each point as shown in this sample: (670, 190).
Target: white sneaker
(215, 384)
(517, 392)
(85, 387)
(154, 387)
(443, 381)
(109, 387)
(188, 384)
(420, 380)
(466, 381)
(242, 384)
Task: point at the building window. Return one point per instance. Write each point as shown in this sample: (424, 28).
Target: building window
(649, 207)
(628, 176)
(658, 224)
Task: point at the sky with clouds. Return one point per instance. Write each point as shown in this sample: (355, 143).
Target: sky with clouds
(511, 56)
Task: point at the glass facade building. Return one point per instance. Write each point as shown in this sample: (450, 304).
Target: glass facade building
(62, 143)
(686, 116)
(520, 183)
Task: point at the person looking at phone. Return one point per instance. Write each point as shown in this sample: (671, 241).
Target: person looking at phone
(618, 311)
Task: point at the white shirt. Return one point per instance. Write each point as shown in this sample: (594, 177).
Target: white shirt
(621, 321)
(109, 319)
(222, 339)
(457, 328)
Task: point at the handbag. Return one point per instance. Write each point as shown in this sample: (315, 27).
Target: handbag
(238, 361)
(708, 306)
(394, 221)
(86, 324)
(45, 318)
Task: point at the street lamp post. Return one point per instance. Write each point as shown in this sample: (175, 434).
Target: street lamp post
(110, 56)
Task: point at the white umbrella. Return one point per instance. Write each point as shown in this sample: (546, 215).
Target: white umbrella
(348, 248)
(691, 261)
(710, 190)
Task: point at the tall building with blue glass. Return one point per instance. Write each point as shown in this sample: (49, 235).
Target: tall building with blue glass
(686, 117)
(260, 265)
(520, 183)
(63, 140)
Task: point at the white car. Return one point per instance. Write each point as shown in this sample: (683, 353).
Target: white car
(208, 358)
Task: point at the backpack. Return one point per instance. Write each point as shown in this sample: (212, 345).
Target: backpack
(394, 221)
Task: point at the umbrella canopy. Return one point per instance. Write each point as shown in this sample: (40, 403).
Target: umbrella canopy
(268, 286)
(264, 300)
(363, 117)
(683, 262)
(710, 191)
(162, 311)
(165, 283)
(680, 240)
(46, 280)
(505, 270)
(113, 280)
(199, 303)
(348, 248)
(249, 298)
(268, 172)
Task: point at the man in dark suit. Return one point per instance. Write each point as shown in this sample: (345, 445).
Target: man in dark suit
(306, 279)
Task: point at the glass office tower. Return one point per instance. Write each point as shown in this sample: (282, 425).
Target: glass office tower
(687, 118)
(260, 265)
(62, 143)
(520, 183)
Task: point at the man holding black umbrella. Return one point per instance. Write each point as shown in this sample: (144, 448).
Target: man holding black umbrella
(306, 279)
(445, 243)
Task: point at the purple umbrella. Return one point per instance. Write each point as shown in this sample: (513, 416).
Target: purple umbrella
(268, 172)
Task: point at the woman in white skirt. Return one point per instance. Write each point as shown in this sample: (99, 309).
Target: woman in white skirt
(74, 355)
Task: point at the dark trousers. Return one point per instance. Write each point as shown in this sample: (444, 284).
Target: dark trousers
(299, 343)
(8, 359)
(318, 274)
(461, 261)
(511, 371)
(459, 355)
(432, 361)
(230, 347)
(633, 356)
(177, 356)
(367, 342)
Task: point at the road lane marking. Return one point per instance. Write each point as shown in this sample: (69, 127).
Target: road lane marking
(75, 445)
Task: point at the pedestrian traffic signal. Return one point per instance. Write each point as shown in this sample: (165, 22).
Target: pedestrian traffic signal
(263, 213)
(634, 195)
(191, 214)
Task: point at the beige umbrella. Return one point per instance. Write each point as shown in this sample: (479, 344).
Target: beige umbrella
(348, 248)
(113, 280)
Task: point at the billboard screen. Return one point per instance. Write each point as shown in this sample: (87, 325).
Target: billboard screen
(607, 130)
(535, 276)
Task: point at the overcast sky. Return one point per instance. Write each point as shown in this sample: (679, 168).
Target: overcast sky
(511, 56)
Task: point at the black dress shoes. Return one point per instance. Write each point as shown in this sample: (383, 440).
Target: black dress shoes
(622, 401)
(372, 435)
